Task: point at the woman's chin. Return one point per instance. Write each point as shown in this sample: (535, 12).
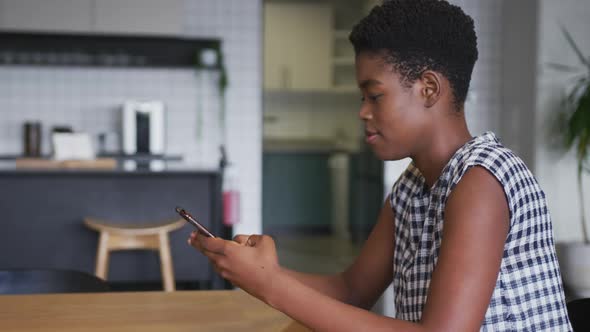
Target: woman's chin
(380, 154)
(386, 155)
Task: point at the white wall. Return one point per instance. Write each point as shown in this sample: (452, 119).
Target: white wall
(89, 98)
(557, 172)
(239, 24)
(482, 107)
(518, 77)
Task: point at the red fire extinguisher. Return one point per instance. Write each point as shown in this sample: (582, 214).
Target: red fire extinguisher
(231, 196)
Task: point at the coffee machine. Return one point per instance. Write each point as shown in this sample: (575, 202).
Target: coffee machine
(143, 128)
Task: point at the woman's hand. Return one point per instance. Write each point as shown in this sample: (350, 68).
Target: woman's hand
(248, 262)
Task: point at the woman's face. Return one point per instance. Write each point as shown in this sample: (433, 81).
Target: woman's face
(395, 119)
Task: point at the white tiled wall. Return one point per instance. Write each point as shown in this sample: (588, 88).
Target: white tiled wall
(556, 170)
(239, 23)
(88, 98)
(484, 102)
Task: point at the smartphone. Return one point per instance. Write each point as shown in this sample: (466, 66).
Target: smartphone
(202, 229)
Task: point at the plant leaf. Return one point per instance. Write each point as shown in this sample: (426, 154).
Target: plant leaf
(575, 93)
(582, 147)
(573, 44)
(575, 127)
(578, 128)
(583, 126)
(564, 68)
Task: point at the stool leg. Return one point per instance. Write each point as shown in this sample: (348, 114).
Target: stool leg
(102, 258)
(166, 263)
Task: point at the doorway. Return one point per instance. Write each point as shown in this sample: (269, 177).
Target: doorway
(322, 187)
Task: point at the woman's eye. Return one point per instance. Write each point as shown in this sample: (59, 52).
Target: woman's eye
(372, 98)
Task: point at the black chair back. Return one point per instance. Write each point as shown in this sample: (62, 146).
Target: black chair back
(579, 313)
(27, 281)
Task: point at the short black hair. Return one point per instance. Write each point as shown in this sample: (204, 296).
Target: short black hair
(419, 35)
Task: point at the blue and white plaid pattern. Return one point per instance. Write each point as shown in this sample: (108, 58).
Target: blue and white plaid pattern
(528, 295)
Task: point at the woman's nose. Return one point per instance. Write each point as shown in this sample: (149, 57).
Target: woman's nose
(365, 112)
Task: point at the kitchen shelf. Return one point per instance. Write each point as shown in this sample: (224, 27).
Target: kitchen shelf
(142, 157)
(135, 157)
(88, 50)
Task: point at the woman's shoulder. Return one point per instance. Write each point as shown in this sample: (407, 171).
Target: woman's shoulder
(511, 172)
(488, 152)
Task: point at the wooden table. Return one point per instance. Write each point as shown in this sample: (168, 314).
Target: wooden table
(221, 311)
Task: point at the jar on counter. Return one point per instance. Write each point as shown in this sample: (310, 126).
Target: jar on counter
(32, 139)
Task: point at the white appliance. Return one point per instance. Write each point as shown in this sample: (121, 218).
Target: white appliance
(143, 127)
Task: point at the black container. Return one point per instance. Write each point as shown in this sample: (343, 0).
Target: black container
(32, 139)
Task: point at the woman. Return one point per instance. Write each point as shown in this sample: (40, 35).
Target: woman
(465, 235)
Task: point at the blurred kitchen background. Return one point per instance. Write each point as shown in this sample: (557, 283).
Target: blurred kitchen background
(287, 118)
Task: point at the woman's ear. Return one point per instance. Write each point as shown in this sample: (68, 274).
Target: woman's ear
(431, 87)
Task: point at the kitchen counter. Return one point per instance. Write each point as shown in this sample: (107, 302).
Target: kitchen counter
(113, 172)
(170, 168)
(42, 212)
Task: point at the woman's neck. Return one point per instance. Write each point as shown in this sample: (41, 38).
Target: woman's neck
(440, 148)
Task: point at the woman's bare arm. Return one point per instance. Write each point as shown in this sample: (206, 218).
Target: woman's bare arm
(476, 226)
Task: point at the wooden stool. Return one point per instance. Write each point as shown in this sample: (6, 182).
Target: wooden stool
(128, 237)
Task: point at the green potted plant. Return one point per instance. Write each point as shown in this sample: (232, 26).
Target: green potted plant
(574, 115)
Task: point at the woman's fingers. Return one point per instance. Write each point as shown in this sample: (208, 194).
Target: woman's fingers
(207, 245)
(259, 241)
(221, 267)
(192, 240)
(253, 240)
(249, 240)
(243, 261)
(214, 249)
(241, 238)
(212, 244)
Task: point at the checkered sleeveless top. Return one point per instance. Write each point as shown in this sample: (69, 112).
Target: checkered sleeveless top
(528, 295)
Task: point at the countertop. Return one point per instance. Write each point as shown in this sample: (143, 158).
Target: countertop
(170, 168)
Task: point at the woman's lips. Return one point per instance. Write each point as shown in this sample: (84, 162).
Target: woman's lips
(370, 136)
